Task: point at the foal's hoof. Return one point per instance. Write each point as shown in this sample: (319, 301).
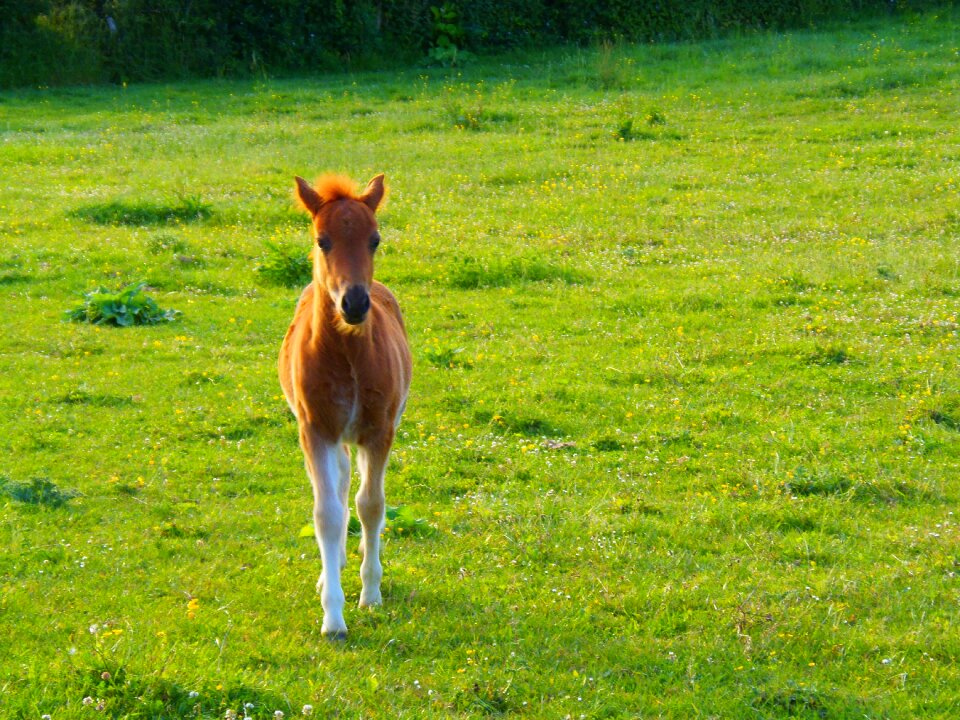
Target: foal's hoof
(336, 635)
(370, 601)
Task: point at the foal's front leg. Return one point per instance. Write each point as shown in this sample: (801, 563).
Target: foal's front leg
(343, 459)
(323, 460)
(371, 505)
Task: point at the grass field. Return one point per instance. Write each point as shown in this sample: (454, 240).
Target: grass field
(684, 434)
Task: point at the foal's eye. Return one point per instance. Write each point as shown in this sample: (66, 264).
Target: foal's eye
(374, 241)
(324, 242)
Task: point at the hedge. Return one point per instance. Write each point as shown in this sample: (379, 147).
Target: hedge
(48, 42)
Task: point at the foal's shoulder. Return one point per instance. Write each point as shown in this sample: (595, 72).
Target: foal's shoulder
(381, 296)
(306, 295)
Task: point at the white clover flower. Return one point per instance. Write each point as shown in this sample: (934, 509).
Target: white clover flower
(230, 715)
(278, 714)
(307, 710)
(45, 717)
(193, 694)
(88, 700)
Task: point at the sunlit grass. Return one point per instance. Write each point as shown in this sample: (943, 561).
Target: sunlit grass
(682, 439)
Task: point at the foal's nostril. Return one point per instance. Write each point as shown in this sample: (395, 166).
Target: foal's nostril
(355, 304)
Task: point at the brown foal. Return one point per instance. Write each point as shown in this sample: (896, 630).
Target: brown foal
(345, 370)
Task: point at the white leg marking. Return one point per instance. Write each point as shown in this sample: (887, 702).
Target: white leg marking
(328, 521)
(370, 507)
(344, 463)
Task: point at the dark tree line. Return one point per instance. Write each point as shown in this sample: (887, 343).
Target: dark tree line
(46, 42)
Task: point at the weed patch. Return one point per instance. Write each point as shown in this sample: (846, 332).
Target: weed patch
(486, 699)
(612, 71)
(947, 413)
(123, 308)
(166, 243)
(12, 277)
(39, 491)
(468, 108)
(285, 265)
(628, 130)
(527, 425)
(202, 377)
(793, 700)
(827, 355)
(634, 506)
(81, 396)
(447, 357)
(607, 444)
(400, 522)
(805, 482)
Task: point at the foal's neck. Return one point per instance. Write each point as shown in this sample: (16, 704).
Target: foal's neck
(327, 322)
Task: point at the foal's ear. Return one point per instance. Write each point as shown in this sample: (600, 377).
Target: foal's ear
(308, 198)
(373, 193)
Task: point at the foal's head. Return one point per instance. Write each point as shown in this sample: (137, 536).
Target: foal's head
(345, 231)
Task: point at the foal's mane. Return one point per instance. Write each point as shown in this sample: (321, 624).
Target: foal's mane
(336, 187)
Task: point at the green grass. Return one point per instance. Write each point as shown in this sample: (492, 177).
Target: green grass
(683, 435)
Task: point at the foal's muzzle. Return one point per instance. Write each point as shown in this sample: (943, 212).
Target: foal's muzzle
(355, 304)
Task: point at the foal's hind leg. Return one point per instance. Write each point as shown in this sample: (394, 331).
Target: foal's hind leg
(370, 500)
(344, 462)
(323, 466)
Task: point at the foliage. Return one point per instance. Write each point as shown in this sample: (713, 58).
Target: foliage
(654, 128)
(399, 520)
(122, 308)
(39, 491)
(286, 265)
(684, 449)
(448, 37)
(55, 42)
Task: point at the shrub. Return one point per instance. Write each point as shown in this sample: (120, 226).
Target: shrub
(448, 36)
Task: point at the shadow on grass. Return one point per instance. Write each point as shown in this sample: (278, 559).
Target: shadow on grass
(118, 212)
(823, 483)
(472, 273)
(126, 693)
(792, 700)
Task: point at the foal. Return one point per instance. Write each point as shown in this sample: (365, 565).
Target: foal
(345, 370)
